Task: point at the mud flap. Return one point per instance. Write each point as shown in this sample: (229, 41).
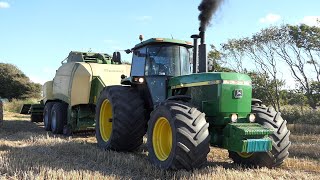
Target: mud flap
(25, 109)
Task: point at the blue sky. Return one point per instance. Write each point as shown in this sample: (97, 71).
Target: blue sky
(37, 35)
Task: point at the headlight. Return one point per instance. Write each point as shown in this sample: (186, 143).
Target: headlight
(252, 118)
(234, 118)
(141, 80)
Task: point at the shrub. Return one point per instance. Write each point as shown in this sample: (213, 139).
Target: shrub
(15, 84)
(15, 104)
(300, 115)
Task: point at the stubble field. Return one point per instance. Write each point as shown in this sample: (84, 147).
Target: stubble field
(27, 151)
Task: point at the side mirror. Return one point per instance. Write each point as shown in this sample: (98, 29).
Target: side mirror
(116, 57)
(128, 51)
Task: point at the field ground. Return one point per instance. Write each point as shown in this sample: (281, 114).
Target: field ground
(27, 151)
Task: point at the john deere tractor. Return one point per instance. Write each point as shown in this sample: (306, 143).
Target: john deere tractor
(184, 109)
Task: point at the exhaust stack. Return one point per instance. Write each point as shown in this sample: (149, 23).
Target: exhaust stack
(203, 61)
(195, 38)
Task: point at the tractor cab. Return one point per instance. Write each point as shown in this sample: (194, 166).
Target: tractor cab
(156, 60)
(161, 57)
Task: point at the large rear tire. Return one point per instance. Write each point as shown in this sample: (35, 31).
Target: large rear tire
(47, 116)
(120, 119)
(178, 136)
(58, 117)
(268, 118)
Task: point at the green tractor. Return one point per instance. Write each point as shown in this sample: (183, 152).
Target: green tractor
(185, 110)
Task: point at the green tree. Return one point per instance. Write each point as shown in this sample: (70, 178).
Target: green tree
(264, 88)
(297, 46)
(215, 61)
(15, 84)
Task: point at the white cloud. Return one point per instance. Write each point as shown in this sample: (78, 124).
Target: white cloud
(4, 5)
(144, 18)
(311, 20)
(270, 18)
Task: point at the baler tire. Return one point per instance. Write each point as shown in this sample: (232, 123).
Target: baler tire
(269, 118)
(47, 116)
(189, 145)
(127, 116)
(36, 118)
(58, 117)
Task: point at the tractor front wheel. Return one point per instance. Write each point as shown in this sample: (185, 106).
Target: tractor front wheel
(268, 118)
(120, 119)
(178, 136)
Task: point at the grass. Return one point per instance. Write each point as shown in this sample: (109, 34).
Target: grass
(27, 151)
(15, 105)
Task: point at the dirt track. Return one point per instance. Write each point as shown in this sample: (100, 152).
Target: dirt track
(27, 151)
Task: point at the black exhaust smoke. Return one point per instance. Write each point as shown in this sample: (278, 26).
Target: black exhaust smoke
(206, 8)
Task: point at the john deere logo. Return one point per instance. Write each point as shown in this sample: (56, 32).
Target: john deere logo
(238, 93)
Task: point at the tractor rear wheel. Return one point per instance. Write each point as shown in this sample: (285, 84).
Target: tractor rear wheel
(47, 115)
(178, 136)
(268, 118)
(120, 119)
(58, 117)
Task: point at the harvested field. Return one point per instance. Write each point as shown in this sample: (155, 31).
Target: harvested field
(27, 151)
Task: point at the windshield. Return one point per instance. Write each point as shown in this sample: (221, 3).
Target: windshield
(169, 60)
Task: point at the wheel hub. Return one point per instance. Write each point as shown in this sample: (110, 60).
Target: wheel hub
(162, 138)
(104, 120)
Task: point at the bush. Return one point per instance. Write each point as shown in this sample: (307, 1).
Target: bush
(15, 84)
(15, 104)
(300, 115)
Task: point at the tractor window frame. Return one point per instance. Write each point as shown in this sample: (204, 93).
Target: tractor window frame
(138, 62)
(176, 65)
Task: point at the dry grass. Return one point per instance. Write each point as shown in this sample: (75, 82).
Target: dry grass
(29, 152)
(304, 128)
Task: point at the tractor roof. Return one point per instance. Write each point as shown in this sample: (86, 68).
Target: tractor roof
(162, 40)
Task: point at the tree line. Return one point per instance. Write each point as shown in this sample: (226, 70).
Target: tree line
(265, 55)
(14, 84)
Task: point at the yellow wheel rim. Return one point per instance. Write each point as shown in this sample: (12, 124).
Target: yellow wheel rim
(105, 120)
(245, 155)
(162, 138)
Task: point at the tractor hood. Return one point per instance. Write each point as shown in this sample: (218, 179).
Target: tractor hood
(216, 94)
(201, 79)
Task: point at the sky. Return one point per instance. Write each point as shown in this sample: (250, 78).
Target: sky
(37, 35)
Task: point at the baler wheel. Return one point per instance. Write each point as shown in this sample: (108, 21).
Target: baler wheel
(58, 117)
(268, 118)
(178, 136)
(47, 115)
(120, 119)
(36, 118)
